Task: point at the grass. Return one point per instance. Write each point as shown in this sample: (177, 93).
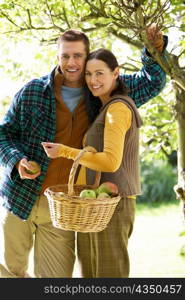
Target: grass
(155, 246)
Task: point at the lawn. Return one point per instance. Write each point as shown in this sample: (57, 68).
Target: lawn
(155, 244)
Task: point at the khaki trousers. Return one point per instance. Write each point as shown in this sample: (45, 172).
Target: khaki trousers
(54, 253)
(102, 254)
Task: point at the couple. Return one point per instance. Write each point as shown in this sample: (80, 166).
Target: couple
(58, 108)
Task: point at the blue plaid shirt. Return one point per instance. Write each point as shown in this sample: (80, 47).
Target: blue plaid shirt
(31, 119)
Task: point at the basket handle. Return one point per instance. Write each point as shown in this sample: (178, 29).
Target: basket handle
(74, 168)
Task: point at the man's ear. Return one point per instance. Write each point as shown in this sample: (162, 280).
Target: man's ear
(116, 72)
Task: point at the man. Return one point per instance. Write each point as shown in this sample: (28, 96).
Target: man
(51, 108)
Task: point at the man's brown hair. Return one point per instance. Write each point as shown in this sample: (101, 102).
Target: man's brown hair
(74, 35)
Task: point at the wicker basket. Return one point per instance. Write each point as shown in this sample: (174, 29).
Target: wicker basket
(70, 212)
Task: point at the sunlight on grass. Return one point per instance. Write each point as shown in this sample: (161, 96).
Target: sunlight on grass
(155, 243)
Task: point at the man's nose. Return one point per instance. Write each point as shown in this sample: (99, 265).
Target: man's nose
(71, 60)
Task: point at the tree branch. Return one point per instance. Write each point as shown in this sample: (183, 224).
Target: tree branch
(125, 38)
(129, 67)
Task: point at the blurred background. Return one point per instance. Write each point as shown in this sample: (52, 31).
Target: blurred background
(29, 30)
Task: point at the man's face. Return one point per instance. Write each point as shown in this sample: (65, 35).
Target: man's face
(71, 58)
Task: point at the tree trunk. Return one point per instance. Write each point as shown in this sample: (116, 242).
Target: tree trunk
(180, 117)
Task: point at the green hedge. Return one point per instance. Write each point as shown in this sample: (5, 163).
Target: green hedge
(157, 179)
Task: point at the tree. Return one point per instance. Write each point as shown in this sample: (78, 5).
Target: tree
(125, 20)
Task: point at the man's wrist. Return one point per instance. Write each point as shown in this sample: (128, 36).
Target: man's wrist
(147, 57)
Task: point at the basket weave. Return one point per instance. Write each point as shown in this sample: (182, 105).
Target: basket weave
(70, 212)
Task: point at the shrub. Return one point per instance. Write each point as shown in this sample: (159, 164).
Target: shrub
(157, 182)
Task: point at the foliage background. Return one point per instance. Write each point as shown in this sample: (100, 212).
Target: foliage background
(28, 33)
(29, 30)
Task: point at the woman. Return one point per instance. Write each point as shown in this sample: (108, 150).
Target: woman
(115, 135)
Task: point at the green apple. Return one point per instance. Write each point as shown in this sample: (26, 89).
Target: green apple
(103, 196)
(88, 194)
(36, 168)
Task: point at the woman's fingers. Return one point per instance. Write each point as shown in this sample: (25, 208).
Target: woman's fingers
(51, 149)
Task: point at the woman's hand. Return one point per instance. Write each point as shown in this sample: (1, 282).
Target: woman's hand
(52, 149)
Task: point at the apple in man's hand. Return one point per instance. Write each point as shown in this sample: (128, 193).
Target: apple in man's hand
(36, 168)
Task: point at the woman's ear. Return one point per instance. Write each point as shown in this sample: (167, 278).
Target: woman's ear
(116, 72)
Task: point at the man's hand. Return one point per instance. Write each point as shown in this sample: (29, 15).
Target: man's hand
(155, 37)
(24, 164)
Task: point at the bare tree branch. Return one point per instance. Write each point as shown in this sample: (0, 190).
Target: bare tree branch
(129, 67)
(126, 38)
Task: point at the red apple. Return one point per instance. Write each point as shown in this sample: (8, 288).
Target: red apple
(108, 187)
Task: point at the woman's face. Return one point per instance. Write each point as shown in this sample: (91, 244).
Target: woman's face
(101, 80)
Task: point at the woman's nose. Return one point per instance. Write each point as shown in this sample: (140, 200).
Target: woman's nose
(93, 79)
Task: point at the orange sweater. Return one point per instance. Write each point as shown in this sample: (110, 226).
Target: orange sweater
(70, 130)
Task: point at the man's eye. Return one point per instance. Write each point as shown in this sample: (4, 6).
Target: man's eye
(78, 55)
